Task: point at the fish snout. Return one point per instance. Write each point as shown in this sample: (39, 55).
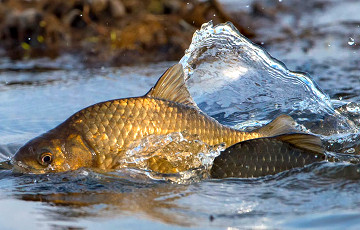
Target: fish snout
(22, 159)
(18, 166)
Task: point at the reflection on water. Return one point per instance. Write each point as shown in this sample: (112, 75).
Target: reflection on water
(152, 203)
(88, 199)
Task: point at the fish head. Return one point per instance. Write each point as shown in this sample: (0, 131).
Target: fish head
(52, 152)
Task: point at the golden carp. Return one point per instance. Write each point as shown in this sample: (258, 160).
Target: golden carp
(99, 135)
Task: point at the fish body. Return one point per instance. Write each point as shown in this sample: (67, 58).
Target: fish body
(99, 135)
(109, 128)
(263, 156)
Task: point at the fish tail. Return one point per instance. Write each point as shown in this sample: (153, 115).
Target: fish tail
(283, 128)
(307, 142)
(281, 125)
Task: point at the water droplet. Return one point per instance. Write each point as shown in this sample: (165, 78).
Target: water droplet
(280, 0)
(351, 41)
(262, 43)
(81, 15)
(214, 15)
(29, 39)
(187, 3)
(350, 150)
(329, 45)
(247, 6)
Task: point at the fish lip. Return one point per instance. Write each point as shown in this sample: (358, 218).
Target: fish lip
(6, 165)
(19, 167)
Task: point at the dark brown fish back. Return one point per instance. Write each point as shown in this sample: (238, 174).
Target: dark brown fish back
(261, 157)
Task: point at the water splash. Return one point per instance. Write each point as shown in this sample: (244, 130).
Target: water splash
(178, 157)
(235, 80)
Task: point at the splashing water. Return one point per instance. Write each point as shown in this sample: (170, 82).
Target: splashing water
(241, 85)
(235, 80)
(185, 157)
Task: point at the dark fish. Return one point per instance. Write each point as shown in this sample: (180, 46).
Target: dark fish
(267, 156)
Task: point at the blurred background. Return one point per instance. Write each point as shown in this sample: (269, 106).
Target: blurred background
(129, 32)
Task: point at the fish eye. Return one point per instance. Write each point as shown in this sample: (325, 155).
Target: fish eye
(45, 158)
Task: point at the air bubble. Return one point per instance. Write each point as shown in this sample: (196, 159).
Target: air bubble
(351, 41)
(350, 150)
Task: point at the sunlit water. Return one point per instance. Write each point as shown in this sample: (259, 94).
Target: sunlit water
(231, 79)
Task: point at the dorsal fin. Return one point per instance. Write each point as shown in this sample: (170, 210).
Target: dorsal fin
(303, 141)
(281, 125)
(171, 86)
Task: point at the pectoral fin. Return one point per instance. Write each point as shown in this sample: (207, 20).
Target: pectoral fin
(267, 156)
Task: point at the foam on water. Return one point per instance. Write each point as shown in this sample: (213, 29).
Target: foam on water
(188, 159)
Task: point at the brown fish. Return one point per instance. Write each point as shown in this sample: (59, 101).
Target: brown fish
(98, 136)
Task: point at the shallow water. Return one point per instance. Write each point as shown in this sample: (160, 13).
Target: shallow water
(36, 96)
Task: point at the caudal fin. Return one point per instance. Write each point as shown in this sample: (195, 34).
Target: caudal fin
(281, 125)
(303, 141)
(283, 129)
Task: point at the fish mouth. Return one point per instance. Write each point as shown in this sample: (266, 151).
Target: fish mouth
(6, 165)
(20, 167)
(14, 166)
